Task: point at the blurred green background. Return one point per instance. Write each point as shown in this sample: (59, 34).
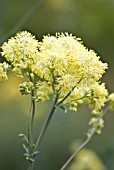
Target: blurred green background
(93, 21)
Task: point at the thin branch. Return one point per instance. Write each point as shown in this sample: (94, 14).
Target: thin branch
(68, 94)
(91, 134)
(30, 165)
(46, 124)
(65, 96)
(33, 107)
(73, 100)
(31, 113)
(29, 120)
(30, 125)
(75, 153)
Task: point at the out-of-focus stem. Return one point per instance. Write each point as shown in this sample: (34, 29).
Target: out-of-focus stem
(30, 165)
(91, 134)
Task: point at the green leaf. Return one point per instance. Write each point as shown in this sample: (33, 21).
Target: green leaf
(35, 153)
(25, 148)
(26, 154)
(24, 138)
(63, 108)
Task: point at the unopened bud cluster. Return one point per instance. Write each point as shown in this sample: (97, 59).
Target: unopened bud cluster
(111, 101)
(96, 122)
(26, 88)
(3, 71)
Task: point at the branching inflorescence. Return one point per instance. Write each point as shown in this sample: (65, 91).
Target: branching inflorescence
(66, 70)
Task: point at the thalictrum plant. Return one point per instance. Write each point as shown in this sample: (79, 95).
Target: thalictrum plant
(62, 67)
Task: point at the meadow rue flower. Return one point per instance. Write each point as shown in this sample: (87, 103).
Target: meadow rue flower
(3, 71)
(70, 66)
(44, 89)
(60, 66)
(63, 64)
(99, 95)
(20, 51)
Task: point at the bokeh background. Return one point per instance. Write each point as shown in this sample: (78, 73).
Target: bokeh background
(93, 21)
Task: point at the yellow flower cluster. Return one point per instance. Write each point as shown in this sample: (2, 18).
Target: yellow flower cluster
(3, 71)
(44, 89)
(63, 64)
(99, 95)
(93, 122)
(21, 51)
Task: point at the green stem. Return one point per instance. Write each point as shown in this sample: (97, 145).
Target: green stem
(33, 108)
(30, 127)
(30, 165)
(31, 118)
(59, 103)
(46, 124)
(93, 130)
(29, 124)
(31, 114)
(79, 148)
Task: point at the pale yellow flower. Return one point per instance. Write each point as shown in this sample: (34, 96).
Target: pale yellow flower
(3, 71)
(64, 65)
(44, 89)
(69, 65)
(99, 95)
(20, 51)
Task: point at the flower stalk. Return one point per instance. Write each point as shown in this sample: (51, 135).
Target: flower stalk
(89, 137)
(30, 165)
(46, 124)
